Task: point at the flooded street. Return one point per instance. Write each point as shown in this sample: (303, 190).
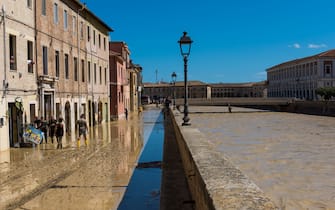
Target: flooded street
(143, 191)
(291, 157)
(93, 176)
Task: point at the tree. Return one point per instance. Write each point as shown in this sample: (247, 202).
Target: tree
(326, 92)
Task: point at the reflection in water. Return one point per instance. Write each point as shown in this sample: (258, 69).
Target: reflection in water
(92, 176)
(143, 191)
(289, 156)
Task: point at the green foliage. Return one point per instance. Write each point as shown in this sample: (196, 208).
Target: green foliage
(326, 92)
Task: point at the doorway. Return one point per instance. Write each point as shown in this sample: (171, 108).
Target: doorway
(15, 122)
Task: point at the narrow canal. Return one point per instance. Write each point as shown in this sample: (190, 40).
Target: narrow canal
(143, 191)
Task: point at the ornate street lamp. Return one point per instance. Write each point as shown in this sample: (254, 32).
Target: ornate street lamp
(185, 43)
(174, 77)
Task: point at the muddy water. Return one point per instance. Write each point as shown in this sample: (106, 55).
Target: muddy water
(291, 157)
(92, 176)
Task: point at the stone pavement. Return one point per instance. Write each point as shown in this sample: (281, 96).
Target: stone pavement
(214, 181)
(289, 157)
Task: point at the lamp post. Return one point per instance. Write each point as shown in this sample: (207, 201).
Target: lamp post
(174, 77)
(185, 43)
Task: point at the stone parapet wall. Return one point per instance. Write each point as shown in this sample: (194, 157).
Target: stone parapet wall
(215, 183)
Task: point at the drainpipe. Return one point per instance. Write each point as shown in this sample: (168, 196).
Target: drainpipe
(79, 60)
(36, 65)
(4, 85)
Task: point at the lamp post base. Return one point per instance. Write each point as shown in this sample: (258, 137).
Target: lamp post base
(186, 124)
(186, 121)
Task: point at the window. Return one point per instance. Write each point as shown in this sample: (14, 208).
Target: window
(66, 66)
(81, 30)
(55, 13)
(95, 73)
(75, 66)
(105, 76)
(88, 33)
(32, 112)
(89, 71)
(12, 52)
(45, 60)
(100, 74)
(83, 70)
(57, 63)
(65, 19)
(104, 43)
(328, 68)
(94, 37)
(44, 7)
(99, 40)
(74, 24)
(30, 58)
(29, 4)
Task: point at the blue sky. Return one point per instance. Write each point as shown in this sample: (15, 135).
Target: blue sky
(234, 40)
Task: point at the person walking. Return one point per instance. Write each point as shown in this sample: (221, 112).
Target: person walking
(52, 128)
(44, 128)
(82, 129)
(59, 133)
(126, 113)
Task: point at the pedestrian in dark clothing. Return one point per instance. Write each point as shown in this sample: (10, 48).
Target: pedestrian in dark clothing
(52, 128)
(82, 127)
(59, 133)
(126, 113)
(37, 122)
(44, 128)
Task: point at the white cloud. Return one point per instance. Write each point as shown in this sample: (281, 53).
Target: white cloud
(295, 45)
(317, 46)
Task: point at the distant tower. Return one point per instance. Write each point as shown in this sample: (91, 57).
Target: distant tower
(156, 76)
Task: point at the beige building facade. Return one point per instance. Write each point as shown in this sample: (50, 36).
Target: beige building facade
(196, 89)
(200, 90)
(54, 62)
(18, 102)
(72, 63)
(250, 89)
(301, 77)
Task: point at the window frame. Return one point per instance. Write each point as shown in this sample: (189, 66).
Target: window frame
(65, 19)
(12, 52)
(66, 66)
(45, 60)
(75, 68)
(44, 8)
(30, 56)
(57, 59)
(56, 14)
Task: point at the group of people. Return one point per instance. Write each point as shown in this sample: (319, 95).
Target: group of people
(53, 127)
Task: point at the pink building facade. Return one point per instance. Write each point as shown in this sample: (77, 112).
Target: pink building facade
(119, 79)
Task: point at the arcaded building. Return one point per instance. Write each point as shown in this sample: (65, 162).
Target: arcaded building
(301, 77)
(196, 89)
(250, 89)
